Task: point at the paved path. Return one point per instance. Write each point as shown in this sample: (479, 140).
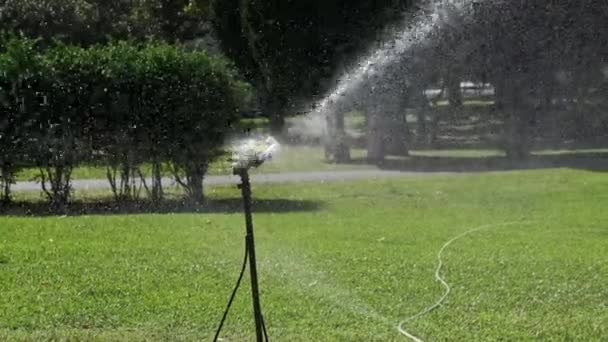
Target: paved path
(286, 177)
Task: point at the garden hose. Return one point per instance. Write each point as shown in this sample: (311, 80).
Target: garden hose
(446, 286)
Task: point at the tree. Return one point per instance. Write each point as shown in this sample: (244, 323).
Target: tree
(86, 22)
(75, 21)
(385, 103)
(521, 47)
(288, 50)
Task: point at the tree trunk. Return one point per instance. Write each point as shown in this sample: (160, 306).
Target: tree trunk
(335, 142)
(518, 120)
(395, 132)
(375, 144)
(499, 95)
(121, 177)
(274, 106)
(7, 179)
(195, 177)
(277, 124)
(454, 91)
(388, 131)
(421, 127)
(59, 178)
(434, 127)
(548, 96)
(518, 135)
(157, 187)
(125, 180)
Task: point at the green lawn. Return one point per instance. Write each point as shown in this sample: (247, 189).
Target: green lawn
(337, 262)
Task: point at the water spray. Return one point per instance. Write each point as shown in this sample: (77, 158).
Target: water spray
(414, 33)
(247, 154)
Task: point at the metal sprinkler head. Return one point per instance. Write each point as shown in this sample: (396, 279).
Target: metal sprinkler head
(252, 153)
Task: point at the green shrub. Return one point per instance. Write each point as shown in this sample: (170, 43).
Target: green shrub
(119, 105)
(18, 68)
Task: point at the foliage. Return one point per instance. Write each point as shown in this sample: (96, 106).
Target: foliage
(291, 51)
(541, 57)
(86, 22)
(18, 64)
(67, 82)
(120, 105)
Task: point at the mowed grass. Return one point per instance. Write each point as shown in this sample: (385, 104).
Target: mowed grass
(349, 268)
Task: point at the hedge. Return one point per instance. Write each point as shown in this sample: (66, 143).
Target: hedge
(120, 105)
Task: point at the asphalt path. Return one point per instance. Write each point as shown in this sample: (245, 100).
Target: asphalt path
(285, 177)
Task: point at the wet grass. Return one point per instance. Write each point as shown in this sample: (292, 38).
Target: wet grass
(348, 270)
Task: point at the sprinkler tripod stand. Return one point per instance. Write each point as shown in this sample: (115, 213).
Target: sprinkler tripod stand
(247, 158)
(245, 186)
(260, 327)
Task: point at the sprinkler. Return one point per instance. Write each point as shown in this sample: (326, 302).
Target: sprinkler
(250, 154)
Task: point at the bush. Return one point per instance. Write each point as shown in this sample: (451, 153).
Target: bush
(120, 105)
(116, 120)
(18, 68)
(68, 77)
(204, 109)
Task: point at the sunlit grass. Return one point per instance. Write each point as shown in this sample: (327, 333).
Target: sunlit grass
(349, 270)
(463, 153)
(571, 151)
(470, 103)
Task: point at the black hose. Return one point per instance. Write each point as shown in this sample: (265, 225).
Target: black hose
(264, 330)
(236, 287)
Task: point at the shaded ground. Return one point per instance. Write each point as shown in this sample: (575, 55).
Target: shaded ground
(109, 207)
(93, 196)
(285, 177)
(583, 161)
